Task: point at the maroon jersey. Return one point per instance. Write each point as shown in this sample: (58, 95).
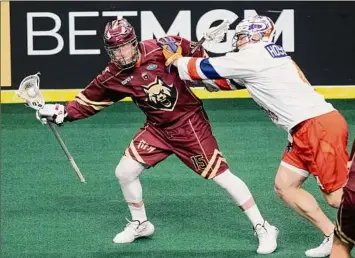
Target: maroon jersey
(162, 96)
(345, 224)
(351, 181)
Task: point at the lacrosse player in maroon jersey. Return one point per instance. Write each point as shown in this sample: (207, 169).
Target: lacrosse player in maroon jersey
(344, 233)
(176, 123)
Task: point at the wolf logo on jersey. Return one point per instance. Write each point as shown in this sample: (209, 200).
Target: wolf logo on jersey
(160, 95)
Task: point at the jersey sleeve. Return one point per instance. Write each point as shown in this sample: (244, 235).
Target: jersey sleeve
(95, 97)
(221, 83)
(229, 66)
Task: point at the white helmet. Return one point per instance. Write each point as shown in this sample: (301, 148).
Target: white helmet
(260, 26)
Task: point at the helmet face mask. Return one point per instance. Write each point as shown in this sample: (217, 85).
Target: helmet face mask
(252, 30)
(125, 55)
(121, 43)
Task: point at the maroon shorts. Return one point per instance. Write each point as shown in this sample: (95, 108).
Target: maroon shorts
(191, 141)
(345, 226)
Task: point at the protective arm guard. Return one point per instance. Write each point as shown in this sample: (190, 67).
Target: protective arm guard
(221, 84)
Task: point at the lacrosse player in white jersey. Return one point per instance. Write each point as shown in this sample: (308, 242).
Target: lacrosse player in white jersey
(317, 133)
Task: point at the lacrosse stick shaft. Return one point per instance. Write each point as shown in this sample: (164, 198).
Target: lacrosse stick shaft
(198, 44)
(67, 153)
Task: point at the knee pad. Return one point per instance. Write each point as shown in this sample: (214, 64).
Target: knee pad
(128, 170)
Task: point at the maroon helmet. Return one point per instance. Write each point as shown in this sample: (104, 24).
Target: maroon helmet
(121, 43)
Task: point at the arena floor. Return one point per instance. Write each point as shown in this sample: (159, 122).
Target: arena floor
(47, 212)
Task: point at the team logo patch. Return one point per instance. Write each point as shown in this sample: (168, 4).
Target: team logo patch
(143, 145)
(257, 26)
(107, 69)
(160, 95)
(152, 67)
(145, 76)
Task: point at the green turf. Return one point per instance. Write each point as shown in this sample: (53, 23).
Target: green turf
(47, 212)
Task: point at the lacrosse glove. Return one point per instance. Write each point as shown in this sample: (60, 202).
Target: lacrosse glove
(171, 51)
(210, 85)
(55, 113)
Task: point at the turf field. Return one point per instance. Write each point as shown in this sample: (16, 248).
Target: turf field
(47, 212)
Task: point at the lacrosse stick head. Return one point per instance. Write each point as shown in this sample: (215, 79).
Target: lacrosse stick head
(29, 91)
(216, 34)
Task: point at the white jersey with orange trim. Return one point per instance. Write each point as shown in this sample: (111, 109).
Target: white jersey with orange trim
(274, 81)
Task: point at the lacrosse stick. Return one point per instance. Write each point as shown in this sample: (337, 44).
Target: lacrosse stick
(29, 91)
(213, 35)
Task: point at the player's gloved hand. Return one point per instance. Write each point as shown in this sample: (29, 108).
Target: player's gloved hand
(52, 112)
(171, 50)
(211, 86)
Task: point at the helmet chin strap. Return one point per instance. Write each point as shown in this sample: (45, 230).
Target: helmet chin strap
(248, 40)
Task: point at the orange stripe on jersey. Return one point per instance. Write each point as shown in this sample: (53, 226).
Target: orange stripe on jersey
(192, 69)
(222, 84)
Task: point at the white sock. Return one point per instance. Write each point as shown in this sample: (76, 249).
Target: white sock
(240, 193)
(254, 215)
(138, 213)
